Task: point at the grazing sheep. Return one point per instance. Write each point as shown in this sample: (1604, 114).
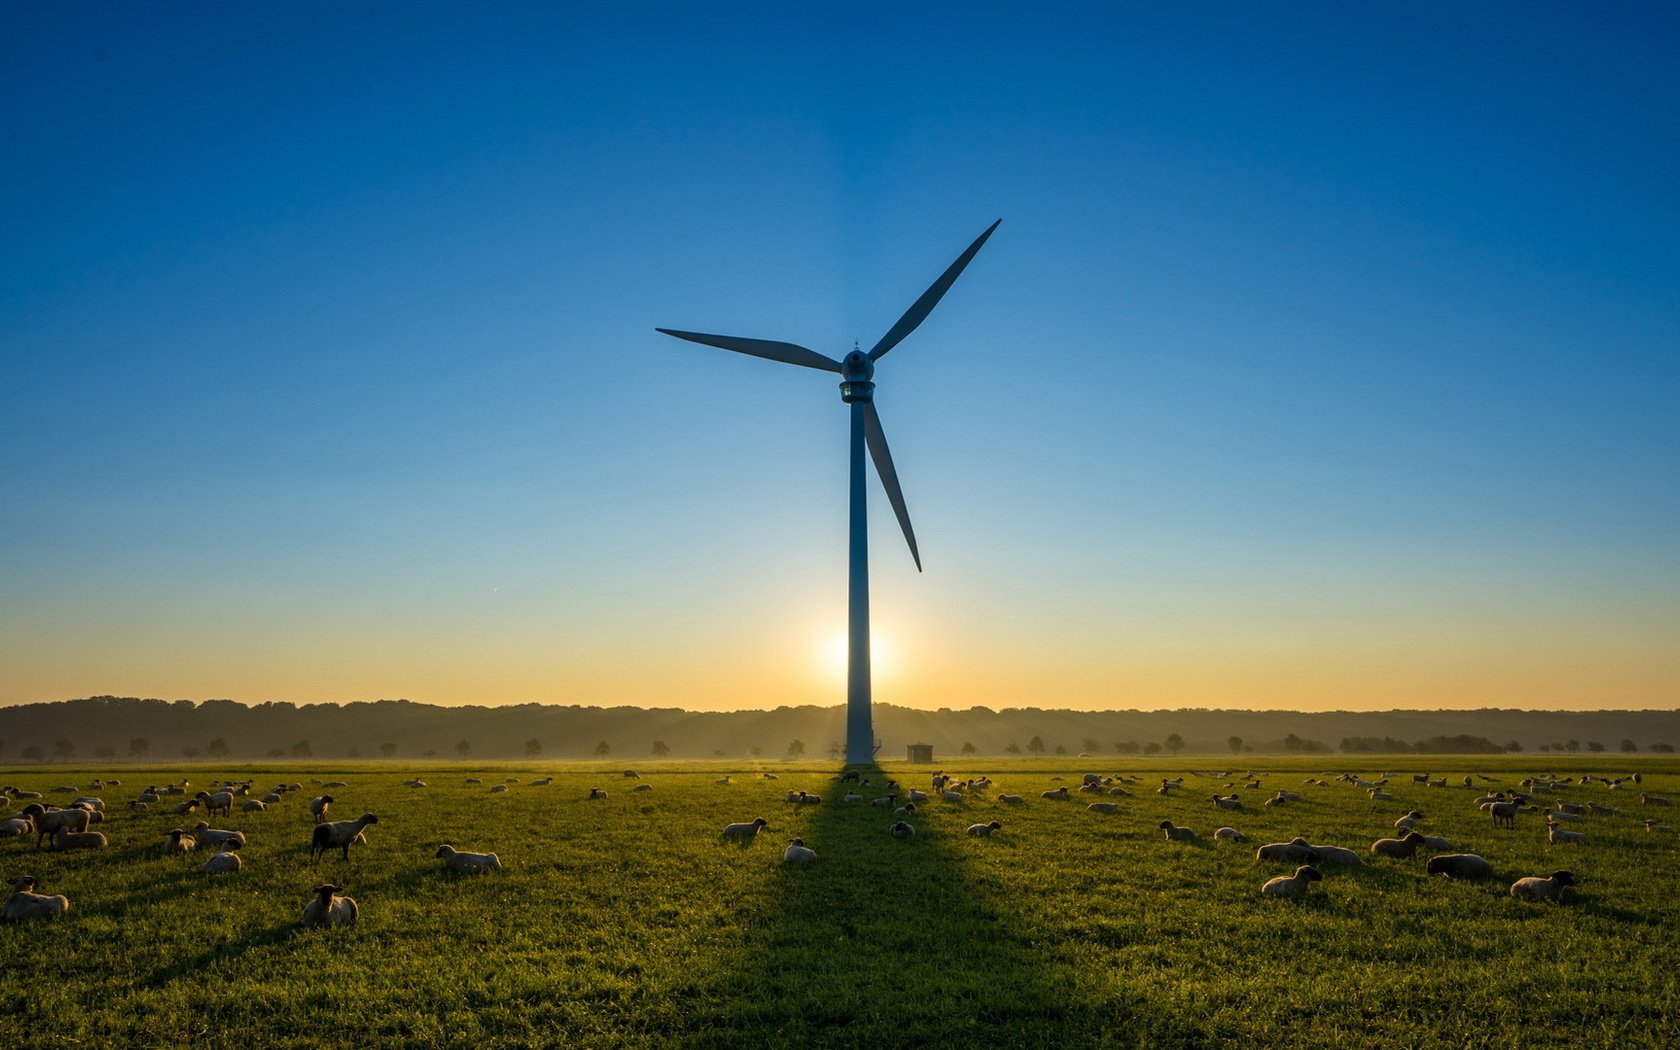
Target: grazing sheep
(744, 831)
(1337, 855)
(1058, 793)
(596, 793)
(339, 834)
(1013, 800)
(1536, 889)
(1555, 833)
(253, 806)
(798, 853)
(467, 863)
(179, 842)
(1459, 866)
(24, 903)
(1400, 848)
(213, 837)
(1651, 825)
(1102, 807)
(224, 862)
(1175, 833)
(63, 839)
(1295, 852)
(985, 829)
(329, 909)
(1292, 886)
(319, 806)
(1230, 835)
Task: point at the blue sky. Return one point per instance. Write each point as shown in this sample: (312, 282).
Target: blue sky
(1324, 358)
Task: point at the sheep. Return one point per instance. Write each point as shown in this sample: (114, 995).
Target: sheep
(641, 787)
(596, 793)
(1230, 835)
(853, 796)
(1337, 855)
(1559, 816)
(221, 802)
(1400, 848)
(272, 798)
(147, 796)
(209, 836)
(179, 842)
(497, 788)
(901, 830)
(24, 903)
(918, 795)
(63, 839)
(473, 780)
(985, 829)
(319, 806)
(338, 833)
(1504, 813)
(805, 798)
(1653, 800)
(1227, 801)
(13, 827)
(1434, 842)
(631, 774)
(745, 831)
(1292, 886)
(223, 862)
(1175, 833)
(1536, 889)
(329, 909)
(1013, 800)
(253, 806)
(1294, 852)
(1058, 793)
(48, 822)
(886, 802)
(1405, 823)
(1458, 866)
(769, 776)
(1554, 833)
(1603, 811)
(1102, 807)
(1379, 795)
(1651, 825)
(798, 853)
(467, 863)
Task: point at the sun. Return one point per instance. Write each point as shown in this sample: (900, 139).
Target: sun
(883, 655)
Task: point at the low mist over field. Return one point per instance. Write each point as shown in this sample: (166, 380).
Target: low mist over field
(162, 730)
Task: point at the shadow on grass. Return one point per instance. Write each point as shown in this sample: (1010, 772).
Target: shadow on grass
(884, 942)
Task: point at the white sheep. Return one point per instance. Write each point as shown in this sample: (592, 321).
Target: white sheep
(63, 839)
(1227, 801)
(1102, 807)
(319, 806)
(1459, 866)
(596, 793)
(13, 827)
(179, 843)
(1013, 800)
(798, 853)
(746, 830)
(24, 903)
(1651, 825)
(1405, 823)
(956, 796)
(48, 822)
(253, 806)
(985, 829)
(723, 780)
(220, 802)
(1337, 855)
(1175, 833)
(886, 802)
(1653, 800)
(1057, 793)
(338, 834)
(1556, 833)
(496, 789)
(216, 838)
(908, 809)
(1536, 889)
(901, 830)
(918, 796)
(1294, 852)
(805, 798)
(467, 863)
(1229, 835)
(224, 862)
(1291, 886)
(1400, 848)
(327, 908)
(642, 787)
(851, 796)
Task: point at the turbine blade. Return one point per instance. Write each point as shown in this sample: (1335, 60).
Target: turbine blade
(787, 353)
(922, 307)
(876, 438)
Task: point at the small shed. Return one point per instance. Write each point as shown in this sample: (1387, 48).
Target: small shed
(921, 753)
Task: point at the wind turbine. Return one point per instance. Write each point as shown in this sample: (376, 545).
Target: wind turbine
(857, 389)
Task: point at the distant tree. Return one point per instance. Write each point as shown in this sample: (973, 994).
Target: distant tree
(1629, 747)
(301, 749)
(1545, 748)
(603, 749)
(191, 752)
(463, 748)
(1012, 748)
(33, 752)
(1036, 745)
(105, 751)
(1513, 746)
(1235, 743)
(1175, 743)
(275, 752)
(1127, 747)
(139, 747)
(834, 750)
(969, 749)
(1663, 749)
(216, 748)
(387, 749)
(755, 751)
(1061, 749)
(661, 749)
(1293, 744)
(64, 748)
(1594, 746)
(1152, 748)
(533, 748)
(1092, 745)
(1574, 746)
(796, 749)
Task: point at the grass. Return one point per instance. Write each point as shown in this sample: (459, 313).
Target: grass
(627, 922)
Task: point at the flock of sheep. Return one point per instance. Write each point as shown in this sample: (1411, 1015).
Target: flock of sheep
(67, 828)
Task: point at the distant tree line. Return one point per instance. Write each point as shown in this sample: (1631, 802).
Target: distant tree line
(1463, 744)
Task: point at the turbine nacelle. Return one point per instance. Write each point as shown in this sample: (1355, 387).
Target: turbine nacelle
(856, 371)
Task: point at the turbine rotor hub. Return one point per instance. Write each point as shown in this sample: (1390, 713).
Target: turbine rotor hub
(856, 371)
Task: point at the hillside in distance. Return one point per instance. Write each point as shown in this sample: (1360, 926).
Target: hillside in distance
(132, 729)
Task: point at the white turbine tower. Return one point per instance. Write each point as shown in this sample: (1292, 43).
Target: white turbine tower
(857, 389)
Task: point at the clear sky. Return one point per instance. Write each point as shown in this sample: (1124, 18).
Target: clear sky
(1328, 356)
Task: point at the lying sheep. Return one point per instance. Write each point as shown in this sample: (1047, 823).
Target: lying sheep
(329, 909)
(1175, 833)
(1292, 886)
(1651, 825)
(1230, 835)
(917, 795)
(224, 862)
(744, 831)
(63, 840)
(1013, 800)
(216, 838)
(1227, 801)
(467, 863)
(14, 827)
(1400, 848)
(1434, 842)
(951, 796)
(1057, 793)
(985, 829)
(798, 853)
(1459, 866)
(1296, 852)
(886, 802)
(1337, 855)
(338, 834)
(1536, 889)
(1653, 800)
(906, 810)
(596, 793)
(1405, 823)
(25, 904)
(1556, 833)
(179, 843)
(805, 798)
(253, 806)
(1102, 807)
(853, 796)
(496, 789)
(901, 830)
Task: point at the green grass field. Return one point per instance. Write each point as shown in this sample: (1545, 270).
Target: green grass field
(627, 922)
